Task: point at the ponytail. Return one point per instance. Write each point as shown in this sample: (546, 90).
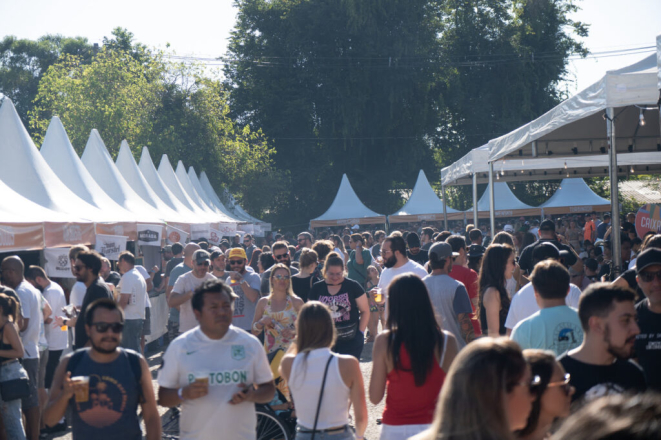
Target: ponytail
(333, 259)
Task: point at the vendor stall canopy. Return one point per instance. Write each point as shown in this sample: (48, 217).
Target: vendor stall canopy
(347, 209)
(423, 204)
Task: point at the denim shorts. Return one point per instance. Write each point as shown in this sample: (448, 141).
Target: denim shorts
(341, 434)
(132, 334)
(11, 411)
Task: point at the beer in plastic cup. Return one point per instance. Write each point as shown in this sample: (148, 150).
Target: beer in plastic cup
(378, 296)
(82, 388)
(202, 378)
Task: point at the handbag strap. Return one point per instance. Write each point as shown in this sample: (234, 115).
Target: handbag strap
(321, 395)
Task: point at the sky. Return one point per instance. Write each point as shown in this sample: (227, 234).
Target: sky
(202, 27)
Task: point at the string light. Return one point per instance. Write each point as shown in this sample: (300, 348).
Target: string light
(632, 170)
(641, 118)
(565, 165)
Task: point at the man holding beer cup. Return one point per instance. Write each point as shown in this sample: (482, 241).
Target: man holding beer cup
(104, 384)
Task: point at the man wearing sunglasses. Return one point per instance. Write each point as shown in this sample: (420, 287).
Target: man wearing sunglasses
(248, 244)
(648, 313)
(183, 289)
(132, 290)
(117, 380)
(280, 251)
(246, 286)
(304, 241)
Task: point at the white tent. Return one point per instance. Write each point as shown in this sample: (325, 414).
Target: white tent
(205, 183)
(152, 177)
(574, 196)
(170, 179)
(347, 209)
(226, 218)
(186, 184)
(423, 204)
(129, 170)
(507, 205)
(26, 172)
(238, 210)
(98, 162)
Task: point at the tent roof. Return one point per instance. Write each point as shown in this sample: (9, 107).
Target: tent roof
(98, 162)
(14, 208)
(347, 205)
(170, 179)
(25, 171)
(156, 183)
(504, 198)
(578, 122)
(63, 160)
(187, 185)
(205, 183)
(129, 170)
(574, 192)
(206, 198)
(423, 200)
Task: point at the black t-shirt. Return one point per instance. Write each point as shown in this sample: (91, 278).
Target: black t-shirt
(421, 257)
(648, 344)
(172, 264)
(302, 286)
(96, 290)
(113, 278)
(525, 262)
(343, 304)
(594, 381)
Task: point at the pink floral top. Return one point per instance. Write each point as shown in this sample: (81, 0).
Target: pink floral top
(273, 337)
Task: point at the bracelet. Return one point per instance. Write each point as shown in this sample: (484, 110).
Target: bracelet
(180, 393)
(254, 327)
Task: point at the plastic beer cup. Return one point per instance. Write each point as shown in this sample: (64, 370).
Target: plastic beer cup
(82, 388)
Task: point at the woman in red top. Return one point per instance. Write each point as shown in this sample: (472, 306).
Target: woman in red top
(409, 359)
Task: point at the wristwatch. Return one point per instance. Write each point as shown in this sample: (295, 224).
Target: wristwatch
(180, 393)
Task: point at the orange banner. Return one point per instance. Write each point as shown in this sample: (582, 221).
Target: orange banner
(69, 234)
(124, 229)
(21, 237)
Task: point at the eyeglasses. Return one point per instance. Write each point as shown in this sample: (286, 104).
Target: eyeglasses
(563, 385)
(79, 267)
(102, 327)
(648, 277)
(281, 256)
(235, 262)
(535, 381)
(246, 241)
(281, 277)
(204, 263)
(301, 239)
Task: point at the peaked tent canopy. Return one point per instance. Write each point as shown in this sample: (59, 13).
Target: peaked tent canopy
(423, 204)
(347, 209)
(574, 195)
(239, 211)
(186, 184)
(507, 205)
(98, 162)
(225, 218)
(205, 184)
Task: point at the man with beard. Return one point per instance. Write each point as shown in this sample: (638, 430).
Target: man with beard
(218, 264)
(183, 289)
(246, 286)
(105, 406)
(600, 366)
(648, 342)
(109, 275)
(280, 251)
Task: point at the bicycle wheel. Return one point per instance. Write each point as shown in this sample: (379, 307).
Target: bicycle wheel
(270, 427)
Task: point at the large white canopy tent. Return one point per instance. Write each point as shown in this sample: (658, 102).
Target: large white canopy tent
(225, 218)
(618, 113)
(423, 204)
(347, 209)
(186, 184)
(574, 196)
(205, 183)
(98, 162)
(240, 212)
(506, 203)
(63, 160)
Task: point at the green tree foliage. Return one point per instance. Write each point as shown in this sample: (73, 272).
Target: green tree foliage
(23, 62)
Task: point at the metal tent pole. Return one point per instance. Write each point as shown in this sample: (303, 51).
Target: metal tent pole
(616, 245)
(445, 208)
(475, 219)
(492, 209)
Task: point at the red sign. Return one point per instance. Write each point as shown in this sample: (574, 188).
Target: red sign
(648, 219)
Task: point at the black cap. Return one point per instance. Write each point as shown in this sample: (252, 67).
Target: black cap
(591, 264)
(544, 251)
(547, 225)
(476, 251)
(216, 254)
(648, 257)
(200, 256)
(413, 240)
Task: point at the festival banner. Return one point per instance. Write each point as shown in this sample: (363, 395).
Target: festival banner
(149, 235)
(175, 235)
(214, 236)
(227, 229)
(21, 237)
(199, 231)
(247, 229)
(648, 218)
(110, 245)
(57, 262)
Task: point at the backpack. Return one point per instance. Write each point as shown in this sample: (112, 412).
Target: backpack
(134, 362)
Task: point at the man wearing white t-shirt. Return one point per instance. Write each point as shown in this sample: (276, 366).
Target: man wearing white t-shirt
(524, 303)
(132, 290)
(216, 372)
(185, 286)
(395, 261)
(79, 289)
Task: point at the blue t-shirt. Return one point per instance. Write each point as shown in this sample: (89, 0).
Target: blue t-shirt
(554, 328)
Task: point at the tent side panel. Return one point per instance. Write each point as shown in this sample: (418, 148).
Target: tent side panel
(69, 234)
(21, 237)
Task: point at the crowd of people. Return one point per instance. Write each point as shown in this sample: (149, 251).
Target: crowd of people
(527, 332)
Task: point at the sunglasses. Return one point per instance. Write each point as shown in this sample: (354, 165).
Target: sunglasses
(102, 327)
(534, 383)
(79, 267)
(281, 277)
(648, 277)
(204, 263)
(235, 262)
(280, 257)
(563, 385)
(301, 239)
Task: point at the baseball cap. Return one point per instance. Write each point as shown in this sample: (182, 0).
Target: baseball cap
(166, 248)
(216, 253)
(592, 264)
(200, 256)
(476, 251)
(238, 253)
(413, 240)
(442, 250)
(544, 251)
(508, 228)
(547, 225)
(648, 257)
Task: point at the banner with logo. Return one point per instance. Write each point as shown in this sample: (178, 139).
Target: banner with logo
(214, 236)
(227, 229)
(57, 262)
(199, 231)
(150, 235)
(248, 229)
(110, 245)
(175, 235)
(648, 219)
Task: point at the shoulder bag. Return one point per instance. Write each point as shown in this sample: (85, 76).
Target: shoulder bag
(13, 389)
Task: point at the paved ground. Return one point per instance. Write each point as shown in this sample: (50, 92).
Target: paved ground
(365, 365)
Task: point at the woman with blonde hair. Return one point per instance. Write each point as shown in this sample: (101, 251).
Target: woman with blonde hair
(323, 384)
(486, 394)
(275, 314)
